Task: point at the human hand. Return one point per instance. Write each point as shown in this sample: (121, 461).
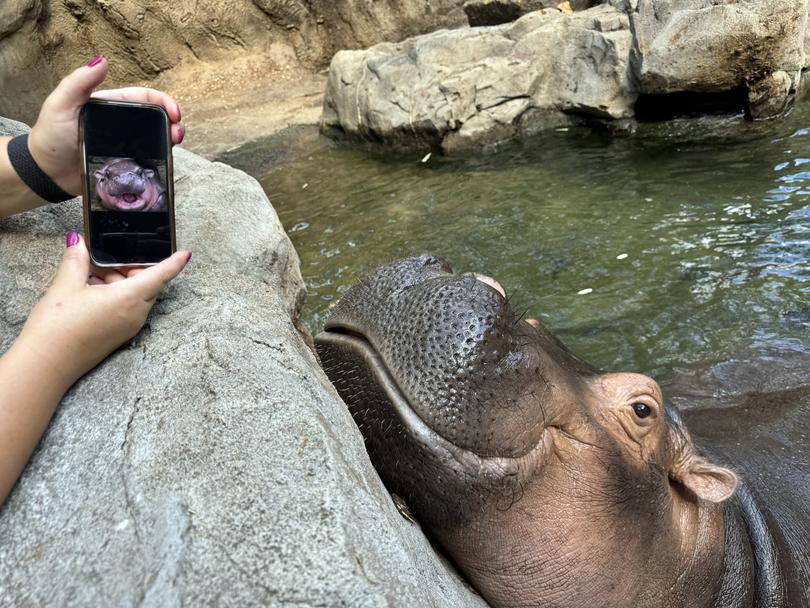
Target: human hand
(54, 138)
(88, 312)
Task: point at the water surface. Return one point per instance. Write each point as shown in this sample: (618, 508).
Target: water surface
(688, 241)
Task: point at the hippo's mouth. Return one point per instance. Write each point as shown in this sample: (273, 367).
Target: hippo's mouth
(385, 405)
(348, 340)
(127, 194)
(453, 394)
(130, 201)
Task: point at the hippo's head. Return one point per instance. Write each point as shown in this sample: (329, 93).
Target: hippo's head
(549, 482)
(123, 185)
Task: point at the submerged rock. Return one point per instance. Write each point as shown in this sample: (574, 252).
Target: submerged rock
(470, 88)
(466, 89)
(208, 461)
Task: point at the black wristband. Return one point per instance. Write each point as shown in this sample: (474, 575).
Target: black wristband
(31, 174)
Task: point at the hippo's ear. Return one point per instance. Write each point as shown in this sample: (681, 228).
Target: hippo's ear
(706, 480)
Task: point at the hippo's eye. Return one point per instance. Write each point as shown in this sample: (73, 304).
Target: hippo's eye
(642, 410)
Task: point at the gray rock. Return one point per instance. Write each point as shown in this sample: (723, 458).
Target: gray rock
(471, 88)
(770, 96)
(807, 40)
(13, 13)
(710, 46)
(467, 89)
(803, 90)
(208, 461)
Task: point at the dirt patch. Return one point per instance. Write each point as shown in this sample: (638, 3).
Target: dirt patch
(182, 46)
(225, 105)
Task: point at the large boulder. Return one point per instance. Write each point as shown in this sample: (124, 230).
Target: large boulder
(468, 88)
(708, 46)
(208, 461)
(42, 40)
(803, 89)
(471, 88)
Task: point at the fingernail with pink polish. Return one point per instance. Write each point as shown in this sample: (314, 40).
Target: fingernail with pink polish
(95, 61)
(182, 134)
(72, 238)
(188, 259)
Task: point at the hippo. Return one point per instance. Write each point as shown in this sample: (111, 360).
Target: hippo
(124, 185)
(549, 482)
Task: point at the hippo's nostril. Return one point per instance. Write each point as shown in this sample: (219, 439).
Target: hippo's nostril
(432, 260)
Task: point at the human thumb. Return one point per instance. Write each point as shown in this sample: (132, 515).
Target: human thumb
(74, 90)
(75, 267)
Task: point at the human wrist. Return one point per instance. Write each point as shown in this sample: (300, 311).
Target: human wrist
(17, 196)
(52, 364)
(42, 170)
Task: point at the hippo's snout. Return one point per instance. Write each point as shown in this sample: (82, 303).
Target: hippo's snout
(126, 183)
(450, 347)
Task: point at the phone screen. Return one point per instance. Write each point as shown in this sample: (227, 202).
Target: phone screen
(128, 190)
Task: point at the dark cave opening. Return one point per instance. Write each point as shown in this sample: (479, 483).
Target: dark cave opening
(689, 104)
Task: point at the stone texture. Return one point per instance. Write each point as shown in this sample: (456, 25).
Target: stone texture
(41, 40)
(711, 46)
(803, 87)
(769, 97)
(208, 461)
(467, 89)
(471, 88)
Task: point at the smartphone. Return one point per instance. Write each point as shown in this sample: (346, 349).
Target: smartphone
(128, 184)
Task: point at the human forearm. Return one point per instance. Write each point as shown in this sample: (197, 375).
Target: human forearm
(29, 394)
(76, 324)
(16, 196)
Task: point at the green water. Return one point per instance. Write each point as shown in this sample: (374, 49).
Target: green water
(693, 235)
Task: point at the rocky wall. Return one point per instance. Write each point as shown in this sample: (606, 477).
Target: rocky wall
(41, 40)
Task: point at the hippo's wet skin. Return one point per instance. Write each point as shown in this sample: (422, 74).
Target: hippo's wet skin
(123, 185)
(550, 483)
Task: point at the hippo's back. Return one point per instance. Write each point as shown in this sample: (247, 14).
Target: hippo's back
(764, 435)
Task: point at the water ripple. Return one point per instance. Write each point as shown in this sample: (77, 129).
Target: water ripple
(712, 216)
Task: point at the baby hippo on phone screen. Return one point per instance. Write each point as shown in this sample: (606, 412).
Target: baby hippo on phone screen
(124, 185)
